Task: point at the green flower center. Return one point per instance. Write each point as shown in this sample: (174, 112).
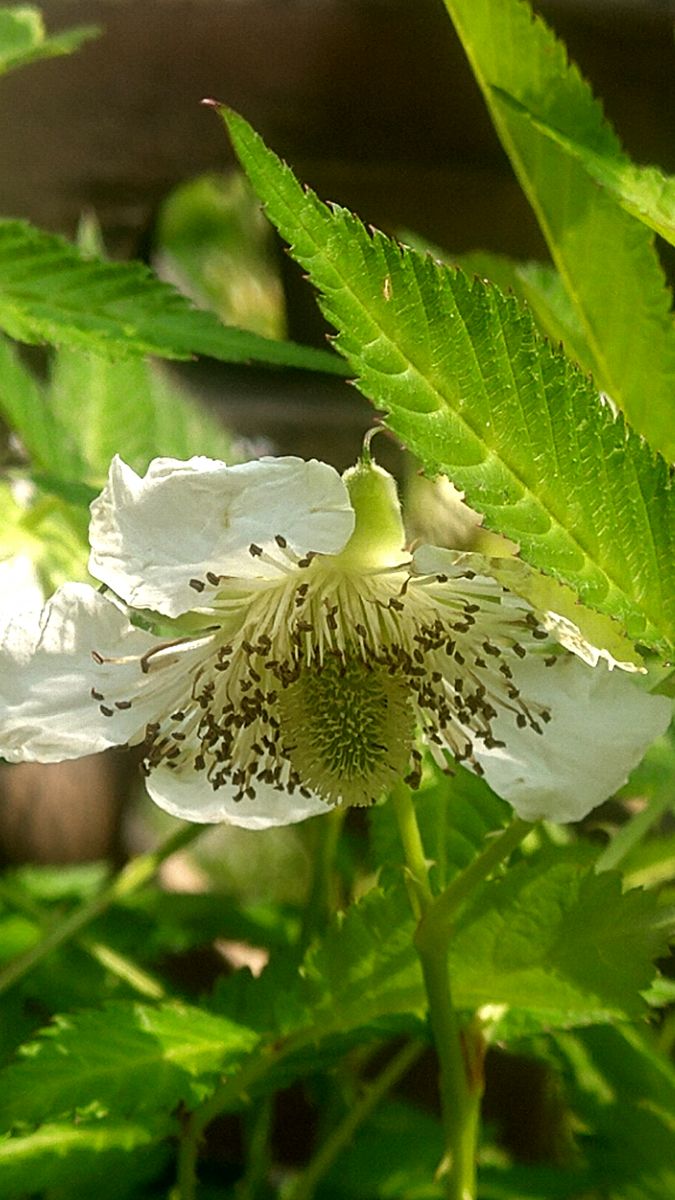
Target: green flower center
(349, 728)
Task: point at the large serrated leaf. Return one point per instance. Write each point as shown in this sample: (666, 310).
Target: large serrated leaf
(606, 259)
(50, 292)
(128, 1058)
(23, 38)
(469, 386)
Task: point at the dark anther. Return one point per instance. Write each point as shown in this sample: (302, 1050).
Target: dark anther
(96, 695)
(197, 584)
(123, 704)
(213, 578)
(255, 551)
(280, 541)
(107, 712)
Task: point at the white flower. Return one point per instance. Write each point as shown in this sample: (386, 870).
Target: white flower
(298, 652)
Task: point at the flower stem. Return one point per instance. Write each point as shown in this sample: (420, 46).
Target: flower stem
(417, 880)
(460, 1053)
(132, 877)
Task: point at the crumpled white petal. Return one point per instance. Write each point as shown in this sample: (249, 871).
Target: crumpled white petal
(186, 794)
(601, 725)
(47, 672)
(150, 536)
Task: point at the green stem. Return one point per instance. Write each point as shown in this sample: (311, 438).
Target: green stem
(459, 1054)
(458, 1103)
(419, 888)
(441, 912)
(130, 879)
(306, 1184)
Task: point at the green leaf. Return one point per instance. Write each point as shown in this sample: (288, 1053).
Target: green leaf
(607, 260)
(23, 38)
(110, 1159)
(50, 292)
(128, 1058)
(24, 407)
(470, 388)
(535, 283)
(644, 192)
(365, 967)
(128, 407)
(557, 943)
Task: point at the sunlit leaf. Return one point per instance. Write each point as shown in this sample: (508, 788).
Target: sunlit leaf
(645, 192)
(607, 260)
(468, 385)
(129, 1058)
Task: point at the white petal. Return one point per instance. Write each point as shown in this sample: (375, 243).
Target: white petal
(151, 536)
(187, 794)
(601, 725)
(47, 673)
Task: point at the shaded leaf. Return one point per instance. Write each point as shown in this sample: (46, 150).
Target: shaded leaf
(112, 1158)
(24, 407)
(623, 1092)
(128, 407)
(557, 943)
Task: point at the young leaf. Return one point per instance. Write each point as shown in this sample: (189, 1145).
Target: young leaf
(23, 38)
(49, 292)
(644, 192)
(469, 386)
(128, 1058)
(606, 259)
